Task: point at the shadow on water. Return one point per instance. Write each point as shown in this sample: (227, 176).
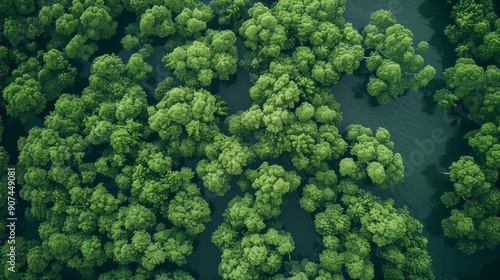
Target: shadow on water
(491, 270)
(300, 224)
(206, 256)
(437, 177)
(429, 105)
(441, 183)
(359, 89)
(457, 145)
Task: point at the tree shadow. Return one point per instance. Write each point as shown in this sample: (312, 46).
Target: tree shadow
(429, 105)
(360, 91)
(438, 13)
(440, 183)
(457, 146)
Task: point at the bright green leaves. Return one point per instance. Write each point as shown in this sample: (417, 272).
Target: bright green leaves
(92, 250)
(61, 246)
(458, 225)
(109, 164)
(313, 145)
(305, 111)
(255, 255)
(389, 71)
(362, 223)
(131, 105)
(66, 24)
(33, 84)
(356, 257)
(475, 30)
(197, 63)
(240, 214)
(192, 21)
(313, 195)
(303, 17)
(464, 77)
(72, 193)
(489, 49)
(97, 23)
(56, 75)
(479, 89)
(385, 225)
(376, 172)
(226, 156)
(80, 48)
(190, 114)
(137, 217)
(332, 221)
(102, 202)
(24, 99)
(333, 47)
(136, 68)
(125, 138)
(450, 199)
(346, 58)
(276, 92)
(188, 210)
(271, 183)
(354, 170)
(383, 167)
(129, 42)
(11, 32)
(157, 21)
(262, 33)
(229, 12)
(468, 178)
(486, 142)
(250, 247)
(310, 134)
(105, 70)
(394, 65)
(473, 225)
(175, 243)
(445, 99)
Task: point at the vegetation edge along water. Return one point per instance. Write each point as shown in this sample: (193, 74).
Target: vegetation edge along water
(114, 167)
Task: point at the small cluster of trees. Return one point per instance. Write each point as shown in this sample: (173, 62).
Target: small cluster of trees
(373, 156)
(393, 64)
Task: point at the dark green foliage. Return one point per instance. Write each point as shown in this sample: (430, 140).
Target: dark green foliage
(474, 82)
(476, 30)
(372, 156)
(106, 175)
(393, 63)
(209, 57)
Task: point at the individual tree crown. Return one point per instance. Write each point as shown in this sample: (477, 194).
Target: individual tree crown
(210, 57)
(372, 156)
(393, 63)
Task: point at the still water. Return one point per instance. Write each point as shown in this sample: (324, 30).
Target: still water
(427, 139)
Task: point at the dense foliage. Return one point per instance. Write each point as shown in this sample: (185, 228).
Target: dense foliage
(117, 176)
(474, 83)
